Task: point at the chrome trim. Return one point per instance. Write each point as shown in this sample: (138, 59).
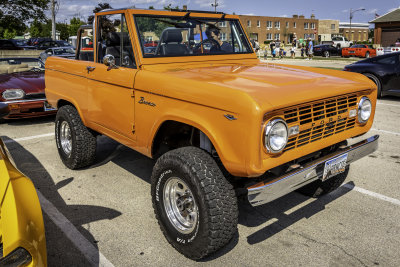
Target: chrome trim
(308, 173)
(267, 131)
(364, 98)
(24, 100)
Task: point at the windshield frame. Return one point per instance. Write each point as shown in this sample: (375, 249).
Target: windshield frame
(202, 20)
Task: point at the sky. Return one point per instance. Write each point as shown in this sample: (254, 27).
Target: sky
(333, 9)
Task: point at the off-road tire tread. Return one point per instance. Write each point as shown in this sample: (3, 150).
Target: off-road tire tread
(85, 141)
(218, 195)
(318, 188)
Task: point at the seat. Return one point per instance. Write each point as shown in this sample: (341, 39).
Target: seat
(113, 47)
(171, 43)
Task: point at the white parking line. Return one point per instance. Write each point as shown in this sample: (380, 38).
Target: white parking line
(393, 105)
(383, 131)
(372, 194)
(93, 255)
(28, 138)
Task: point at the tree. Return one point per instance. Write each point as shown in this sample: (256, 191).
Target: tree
(9, 34)
(39, 29)
(63, 29)
(15, 15)
(98, 8)
(74, 25)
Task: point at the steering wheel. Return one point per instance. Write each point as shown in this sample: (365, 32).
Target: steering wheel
(212, 42)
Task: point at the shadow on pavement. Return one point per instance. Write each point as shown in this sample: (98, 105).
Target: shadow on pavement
(60, 249)
(30, 121)
(276, 212)
(141, 166)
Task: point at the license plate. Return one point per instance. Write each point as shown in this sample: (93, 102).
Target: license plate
(352, 52)
(47, 107)
(334, 166)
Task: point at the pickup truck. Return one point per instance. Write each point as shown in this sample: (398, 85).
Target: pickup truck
(218, 123)
(341, 42)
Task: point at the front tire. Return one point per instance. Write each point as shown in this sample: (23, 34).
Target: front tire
(326, 54)
(319, 188)
(367, 55)
(76, 144)
(194, 204)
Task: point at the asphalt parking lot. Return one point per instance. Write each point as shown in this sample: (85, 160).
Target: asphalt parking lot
(102, 215)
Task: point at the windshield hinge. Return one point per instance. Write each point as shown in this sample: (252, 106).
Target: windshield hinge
(133, 94)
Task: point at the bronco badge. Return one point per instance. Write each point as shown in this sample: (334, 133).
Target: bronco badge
(142, 101)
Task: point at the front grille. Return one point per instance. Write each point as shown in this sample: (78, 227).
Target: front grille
(320, 119)
(35, 96)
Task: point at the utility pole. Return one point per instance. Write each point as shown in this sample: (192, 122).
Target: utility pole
(215, 5)
(351, 17)
(53, 19)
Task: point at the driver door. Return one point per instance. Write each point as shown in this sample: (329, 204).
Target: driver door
(111, 92)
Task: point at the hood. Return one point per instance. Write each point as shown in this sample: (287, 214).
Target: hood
(269, 85)
(29, 81)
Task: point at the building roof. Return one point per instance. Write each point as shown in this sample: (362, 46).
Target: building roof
(388, 17)
(353, 25)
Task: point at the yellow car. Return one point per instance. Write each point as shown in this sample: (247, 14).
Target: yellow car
(22, 237)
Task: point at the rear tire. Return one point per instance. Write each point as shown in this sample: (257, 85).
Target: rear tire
(326, 54)
(76, 144)
(367, 55)
(376, 81)
(319, 188)
(207, 220)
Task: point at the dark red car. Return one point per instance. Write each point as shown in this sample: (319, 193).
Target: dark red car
(22, 88)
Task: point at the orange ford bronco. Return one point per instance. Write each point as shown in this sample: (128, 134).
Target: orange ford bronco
(187, 89)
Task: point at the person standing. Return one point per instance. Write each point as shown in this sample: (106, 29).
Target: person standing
(310, 49)
(302, 50)
(272, 46)
(277, 47)
(293, 50)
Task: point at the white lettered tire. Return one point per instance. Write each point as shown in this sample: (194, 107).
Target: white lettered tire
(194, 204)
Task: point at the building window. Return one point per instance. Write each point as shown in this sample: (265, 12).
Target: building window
(223, 36)
(269, 24)
(312, 36)
(269, 36)
(294, 24)
(277, 36)
(306, 25)
(222, 24)
(258, 23)
(277, 24)
(312, 25)
(333, 26)
(287, 24)
(248, 23)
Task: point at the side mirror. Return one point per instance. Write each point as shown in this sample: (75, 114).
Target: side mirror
(109, 61)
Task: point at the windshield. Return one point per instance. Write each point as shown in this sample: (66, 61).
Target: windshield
(175, 36)
(61, 51)
(13, 65)
(20, 42)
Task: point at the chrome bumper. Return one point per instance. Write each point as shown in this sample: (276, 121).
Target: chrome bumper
(265, 192)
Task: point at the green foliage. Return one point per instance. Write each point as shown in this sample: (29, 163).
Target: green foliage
(74, 25)
(98, 8)
(169, 7)
(9, 34)
(39, 29)
(63, 29)
(15, 15)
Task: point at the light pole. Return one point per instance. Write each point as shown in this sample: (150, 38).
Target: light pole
(351, 17)
(215, 5)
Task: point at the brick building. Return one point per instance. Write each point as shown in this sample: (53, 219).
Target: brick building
(327, 28)
(358, 31)
(387, 28)
(262, 28)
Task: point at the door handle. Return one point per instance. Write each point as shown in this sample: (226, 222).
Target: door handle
(90, 68)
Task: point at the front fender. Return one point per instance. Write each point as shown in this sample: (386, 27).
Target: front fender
(21, 221)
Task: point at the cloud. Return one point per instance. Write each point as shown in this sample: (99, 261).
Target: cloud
(372, 11)
(284, 16)
(345, 11)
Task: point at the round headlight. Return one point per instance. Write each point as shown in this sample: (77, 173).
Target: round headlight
(364, 109)
(276, 135)
(11, 94)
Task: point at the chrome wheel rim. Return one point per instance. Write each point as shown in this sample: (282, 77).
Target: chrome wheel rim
(66, 138)
(180, 205)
